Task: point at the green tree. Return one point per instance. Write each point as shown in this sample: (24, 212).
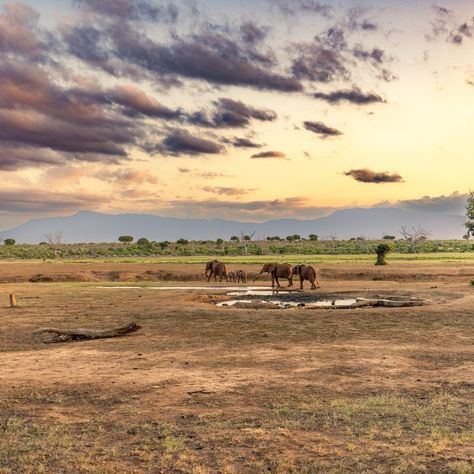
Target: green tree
(125, 239)
(9, 242)
(144, 243)
(382, 250)
(182, 242)
(234, 238)
(313, 237)
(388, 237)
(470, 214)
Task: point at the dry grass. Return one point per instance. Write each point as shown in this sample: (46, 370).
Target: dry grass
(202, 389)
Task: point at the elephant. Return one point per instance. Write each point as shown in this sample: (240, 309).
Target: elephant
(241, 276)
(232, 276)
(216, 268)
(278, 270)
(306, 272)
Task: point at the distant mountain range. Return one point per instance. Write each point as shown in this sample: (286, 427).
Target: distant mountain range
(89, 226)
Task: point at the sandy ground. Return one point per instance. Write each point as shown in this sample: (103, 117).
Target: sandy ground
(205, 389)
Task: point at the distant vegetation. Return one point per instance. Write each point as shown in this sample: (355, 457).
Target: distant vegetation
(143, 247)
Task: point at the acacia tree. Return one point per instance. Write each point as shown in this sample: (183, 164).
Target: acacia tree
(54, 239)
(413, 236)
(245, 240)
(470, 214)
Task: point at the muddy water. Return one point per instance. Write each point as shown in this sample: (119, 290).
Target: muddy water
(240, 290)
(293, 304)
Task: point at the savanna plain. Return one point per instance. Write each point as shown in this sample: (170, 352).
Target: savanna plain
(207, 389)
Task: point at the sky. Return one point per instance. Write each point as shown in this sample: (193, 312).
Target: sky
(248, 110)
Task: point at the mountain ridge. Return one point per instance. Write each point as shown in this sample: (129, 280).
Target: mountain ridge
(91, 226)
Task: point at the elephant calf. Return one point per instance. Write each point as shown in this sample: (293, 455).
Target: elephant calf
(306, 272)
(241, 276)
(232, 276)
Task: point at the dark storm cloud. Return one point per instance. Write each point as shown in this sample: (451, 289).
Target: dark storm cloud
(229, 113)
(353, 96)
(26, 200)
(292, 8)
(252, 33)
(35, 111)
(245, 143)
(319, 63)
(270, 154)
(330, 57)
(181, 142)
(136, 102)
(20, 33)
(208, 56)
(445, 25)
(454, 203)
(14, 158)
(43, 123)
(368, 176)
(321, 129)
(462, 32)
(132, 9)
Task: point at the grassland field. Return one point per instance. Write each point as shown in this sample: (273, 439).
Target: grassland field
(203, 389)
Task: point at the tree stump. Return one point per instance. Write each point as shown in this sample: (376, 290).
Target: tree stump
(13, 303)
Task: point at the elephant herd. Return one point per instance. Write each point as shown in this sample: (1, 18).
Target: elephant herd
(276, 270)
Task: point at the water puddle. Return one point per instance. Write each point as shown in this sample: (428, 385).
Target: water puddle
(260, 297)
(241, 290)
(344, 303)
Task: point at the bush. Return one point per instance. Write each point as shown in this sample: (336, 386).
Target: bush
(144, 243)
(9, 242)
(382, 250)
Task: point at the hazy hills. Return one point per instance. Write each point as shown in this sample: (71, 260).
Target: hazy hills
(371, 223)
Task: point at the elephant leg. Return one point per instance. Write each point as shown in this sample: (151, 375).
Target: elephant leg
(209, 277)
(277, 281)
(301, 282)
(290, 280)
(313, 286)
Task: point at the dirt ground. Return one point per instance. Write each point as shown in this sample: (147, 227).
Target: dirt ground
(203, 389)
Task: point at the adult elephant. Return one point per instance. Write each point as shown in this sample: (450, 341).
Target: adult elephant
(308, 273)
(216, 268)
(278, 270)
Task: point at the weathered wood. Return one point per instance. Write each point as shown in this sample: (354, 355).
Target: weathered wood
(51, 335)
(13, 303)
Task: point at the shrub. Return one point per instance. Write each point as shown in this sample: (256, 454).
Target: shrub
(144, 243)
(382, 250)
(9, 242)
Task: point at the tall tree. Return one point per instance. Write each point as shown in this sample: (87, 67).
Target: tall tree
(470, 214)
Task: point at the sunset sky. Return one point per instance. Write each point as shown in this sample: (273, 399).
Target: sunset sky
(247, 110)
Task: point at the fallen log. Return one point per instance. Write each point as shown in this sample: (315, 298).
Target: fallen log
(52, 335)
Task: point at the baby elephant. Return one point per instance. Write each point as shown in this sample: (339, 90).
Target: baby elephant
(241, 276)
(232, 276)
(306, 272)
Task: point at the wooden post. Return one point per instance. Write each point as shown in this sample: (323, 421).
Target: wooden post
(13, 303)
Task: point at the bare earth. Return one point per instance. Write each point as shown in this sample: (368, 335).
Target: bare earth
(202, 389)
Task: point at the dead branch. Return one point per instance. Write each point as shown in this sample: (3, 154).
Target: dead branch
(52, 335)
